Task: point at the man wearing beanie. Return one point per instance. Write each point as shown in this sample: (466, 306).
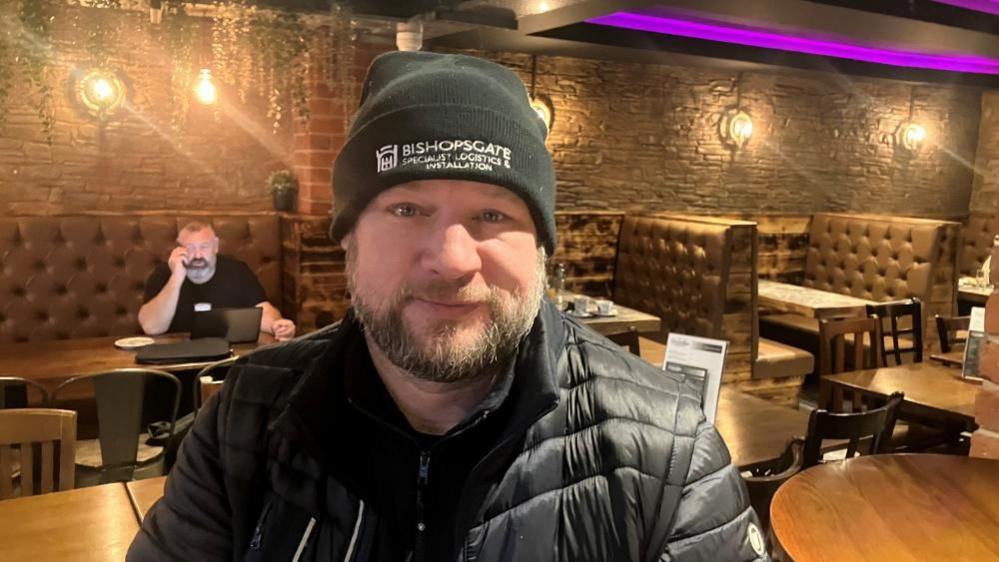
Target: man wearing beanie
(453, 414)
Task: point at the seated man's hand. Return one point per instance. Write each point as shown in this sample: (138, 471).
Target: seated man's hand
(284, 329)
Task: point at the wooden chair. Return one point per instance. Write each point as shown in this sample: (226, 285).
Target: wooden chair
(26, 427)
(949, 328)
(833, 347)
(120, 453)
(910, 310)
(14, 392)
(627, 339)
(207, 383)
(763, 483)
(874, 427)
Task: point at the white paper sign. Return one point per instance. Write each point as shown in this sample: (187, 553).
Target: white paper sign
(701, 360)
(977, 319)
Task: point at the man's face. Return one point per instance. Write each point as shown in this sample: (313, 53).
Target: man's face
(202, 250)
(446, 276)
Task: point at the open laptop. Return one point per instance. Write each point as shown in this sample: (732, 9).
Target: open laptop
(236, 325)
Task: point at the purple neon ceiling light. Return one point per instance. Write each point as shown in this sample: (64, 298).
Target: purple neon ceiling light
(801, 42)
(986, 6)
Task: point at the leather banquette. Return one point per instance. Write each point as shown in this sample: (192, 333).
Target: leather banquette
(83, 275)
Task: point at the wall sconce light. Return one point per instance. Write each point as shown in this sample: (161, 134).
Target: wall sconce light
(99, 92)
(542, 105)
(204, 88)
(911, 136)
(735, 128)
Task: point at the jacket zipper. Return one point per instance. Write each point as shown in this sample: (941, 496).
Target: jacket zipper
(356, 533)
(258, 532)
(422, 476)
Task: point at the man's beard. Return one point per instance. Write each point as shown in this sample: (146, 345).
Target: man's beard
(439, 356)
(200, 270)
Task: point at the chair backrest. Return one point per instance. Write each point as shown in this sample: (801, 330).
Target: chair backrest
(763, 483)
(120, 398)
(834, 348)
(14, 392)
(46, 427)
(910, 312)
(209, 381)
(873, 426)
(949, 328)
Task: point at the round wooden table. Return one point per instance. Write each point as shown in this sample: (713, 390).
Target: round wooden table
(890, 507)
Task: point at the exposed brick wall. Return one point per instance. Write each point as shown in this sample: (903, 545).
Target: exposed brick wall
(985, 193)
(632, 137)
(985, 441)
(135, 161)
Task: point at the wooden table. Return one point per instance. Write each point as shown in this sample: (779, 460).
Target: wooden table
(52, 362)
(973, 293)
(890, 507)
(87, 524)
(144, 493)
(931, 390)
(622, 322)
(755, 430)
(805, 301)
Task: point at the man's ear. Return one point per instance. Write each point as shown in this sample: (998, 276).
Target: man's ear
(345, 242)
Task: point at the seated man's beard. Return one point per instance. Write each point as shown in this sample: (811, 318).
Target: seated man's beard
(199, 268)
(439, 356)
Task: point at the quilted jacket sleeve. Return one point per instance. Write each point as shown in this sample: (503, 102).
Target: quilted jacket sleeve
(714, 521)
(192, 520)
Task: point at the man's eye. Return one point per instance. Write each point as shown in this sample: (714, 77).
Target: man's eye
(492, 216)
(403, 210)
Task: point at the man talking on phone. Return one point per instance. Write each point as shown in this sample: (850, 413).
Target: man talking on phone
(197, 277)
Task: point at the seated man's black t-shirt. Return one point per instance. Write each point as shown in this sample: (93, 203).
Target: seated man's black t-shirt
(233, 286)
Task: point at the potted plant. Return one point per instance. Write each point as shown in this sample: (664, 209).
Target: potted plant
(284, 187)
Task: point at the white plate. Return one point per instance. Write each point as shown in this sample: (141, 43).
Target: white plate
(133, 342)
(613, 312)
(580, 314)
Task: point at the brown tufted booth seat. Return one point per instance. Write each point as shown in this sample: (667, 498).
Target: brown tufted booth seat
(976, 244)
(676, 270)
(83, 275)
(870, 257)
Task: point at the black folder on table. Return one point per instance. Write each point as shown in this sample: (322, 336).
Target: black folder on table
(190, 351)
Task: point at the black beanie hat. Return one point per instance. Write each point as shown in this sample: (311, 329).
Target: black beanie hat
(443, 116)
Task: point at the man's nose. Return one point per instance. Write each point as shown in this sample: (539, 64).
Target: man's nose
(453, 252)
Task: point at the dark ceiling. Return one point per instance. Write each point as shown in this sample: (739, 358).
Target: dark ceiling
(559, 27)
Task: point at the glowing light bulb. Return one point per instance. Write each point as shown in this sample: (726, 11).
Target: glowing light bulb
(742, 128)
(204, 89)
(102, 89)
(913, 136)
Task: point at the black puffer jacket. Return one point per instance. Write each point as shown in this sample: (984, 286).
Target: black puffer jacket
(608, 458)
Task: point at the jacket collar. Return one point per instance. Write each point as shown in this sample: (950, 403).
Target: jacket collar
(532, 393)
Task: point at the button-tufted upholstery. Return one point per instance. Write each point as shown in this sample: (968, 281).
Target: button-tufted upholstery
(83, 275)
(675, 269)
(976, 244)
(871, 258)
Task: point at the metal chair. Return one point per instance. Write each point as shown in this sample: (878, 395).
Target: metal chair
(120, 453)
(45, 427)
(14, 392)
(874, 427)
(949, 329)
(910, 310)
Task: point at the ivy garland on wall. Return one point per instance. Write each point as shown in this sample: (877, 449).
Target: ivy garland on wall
(252, 51)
